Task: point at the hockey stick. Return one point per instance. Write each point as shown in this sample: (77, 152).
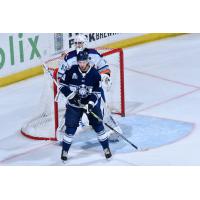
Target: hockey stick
(122, 136)
(54, 80)
(46, 69)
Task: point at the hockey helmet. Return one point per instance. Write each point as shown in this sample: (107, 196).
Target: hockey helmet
(82, 56)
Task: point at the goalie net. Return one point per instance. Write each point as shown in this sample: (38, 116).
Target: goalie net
(50, 114)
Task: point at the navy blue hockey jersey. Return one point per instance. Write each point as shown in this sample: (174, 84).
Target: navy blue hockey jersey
(86, 85)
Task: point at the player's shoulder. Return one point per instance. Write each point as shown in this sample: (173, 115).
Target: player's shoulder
(72, 69)
(70, 55)
(93, 52)
(95, 72)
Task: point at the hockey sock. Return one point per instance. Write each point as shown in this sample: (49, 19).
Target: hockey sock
(67, 141)
(103, 139)
(68, 137)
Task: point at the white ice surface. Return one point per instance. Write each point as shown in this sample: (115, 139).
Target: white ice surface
(161, 80)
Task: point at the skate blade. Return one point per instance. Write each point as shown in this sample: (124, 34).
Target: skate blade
(109, 159)
(64, 162)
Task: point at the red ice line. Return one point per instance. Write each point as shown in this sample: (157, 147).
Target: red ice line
(197, 88)
(164, 79)
(168, 100)
(23, 153)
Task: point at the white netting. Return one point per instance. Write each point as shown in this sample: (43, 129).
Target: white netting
(43, 123)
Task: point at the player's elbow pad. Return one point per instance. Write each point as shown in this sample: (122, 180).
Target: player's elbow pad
(65, 90)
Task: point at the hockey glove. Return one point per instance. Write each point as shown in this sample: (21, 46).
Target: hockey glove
(106, 81)
(89, 107)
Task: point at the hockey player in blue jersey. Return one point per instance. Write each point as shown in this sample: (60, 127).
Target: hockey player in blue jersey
(81, 85)
(95, 60)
